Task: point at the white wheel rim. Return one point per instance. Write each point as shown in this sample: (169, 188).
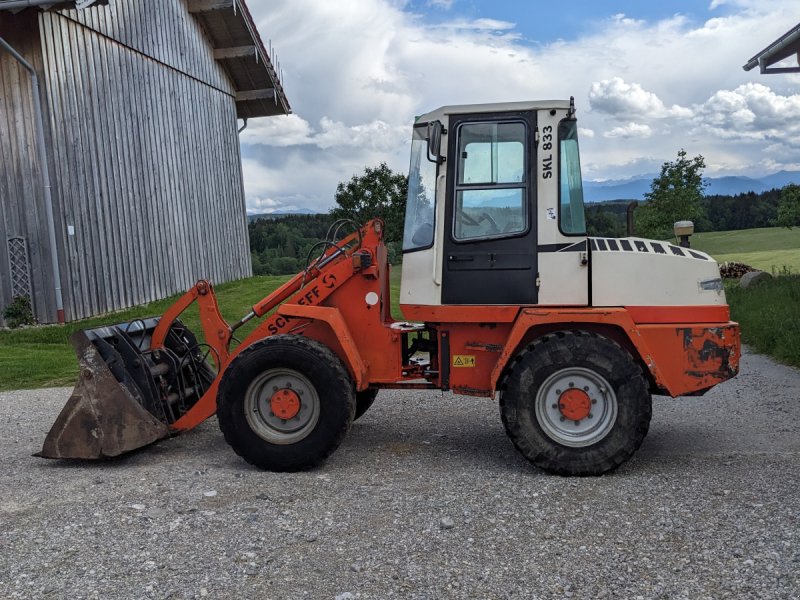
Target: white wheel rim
(258, 407)
(587, 430)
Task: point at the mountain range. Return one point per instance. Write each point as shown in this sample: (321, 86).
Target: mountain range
(634, 188)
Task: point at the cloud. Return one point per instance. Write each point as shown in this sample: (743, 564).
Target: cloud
(288, 130)
(292, 130)
(478, 25)
(617, 98)
(357, 73)
(751, 112)
(441, 4)
(630, 130)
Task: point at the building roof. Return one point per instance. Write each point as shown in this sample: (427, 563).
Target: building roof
(237, 47)
(785, 46)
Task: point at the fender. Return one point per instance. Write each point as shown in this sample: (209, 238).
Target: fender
(336, 322)
(615, 317)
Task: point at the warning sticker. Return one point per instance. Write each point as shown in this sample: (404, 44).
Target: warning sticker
(464, 360)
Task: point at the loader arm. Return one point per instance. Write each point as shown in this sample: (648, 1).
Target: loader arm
(156, 368)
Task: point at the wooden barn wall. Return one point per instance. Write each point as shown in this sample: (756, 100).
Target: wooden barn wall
(160, 29)
(21, 195)
(147, 163)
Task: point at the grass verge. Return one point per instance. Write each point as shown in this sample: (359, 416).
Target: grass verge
(37, 357)
(769, 315)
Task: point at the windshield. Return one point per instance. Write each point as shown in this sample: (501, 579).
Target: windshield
(572, 218)
(418, 230)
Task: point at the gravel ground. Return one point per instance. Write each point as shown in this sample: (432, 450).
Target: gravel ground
(426, 498)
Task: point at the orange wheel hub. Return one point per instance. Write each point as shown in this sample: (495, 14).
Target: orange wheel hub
(575, 404)
(285, 404)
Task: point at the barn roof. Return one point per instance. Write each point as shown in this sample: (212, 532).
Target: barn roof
(785, 46)
(237, 46)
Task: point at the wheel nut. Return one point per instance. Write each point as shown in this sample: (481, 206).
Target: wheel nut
(563, 418)
(555, 405)
(586, 388)
(589, 416)
(558, 392)
(594, 401)
(577, 422)
(274, 388)
(571, 384)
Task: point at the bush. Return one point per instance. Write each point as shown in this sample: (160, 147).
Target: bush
(19, 312)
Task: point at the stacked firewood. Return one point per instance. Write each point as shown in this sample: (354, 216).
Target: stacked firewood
(734, 270)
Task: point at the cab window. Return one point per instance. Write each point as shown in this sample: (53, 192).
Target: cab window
(490, 199)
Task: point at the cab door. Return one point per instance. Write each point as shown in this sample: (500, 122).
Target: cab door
(489, 253)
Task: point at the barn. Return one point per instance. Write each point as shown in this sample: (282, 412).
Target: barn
(120, 174)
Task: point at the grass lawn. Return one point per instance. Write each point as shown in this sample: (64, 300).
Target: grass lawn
(772, 249)
(43, 357)
(768, 313)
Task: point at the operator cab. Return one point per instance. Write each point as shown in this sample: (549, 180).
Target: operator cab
(495, 210)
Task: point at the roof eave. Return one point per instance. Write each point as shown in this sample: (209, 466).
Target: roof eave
(782, 48)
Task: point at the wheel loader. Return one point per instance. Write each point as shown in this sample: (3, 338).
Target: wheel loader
(504, 297)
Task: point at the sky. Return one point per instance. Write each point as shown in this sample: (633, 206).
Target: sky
(649, 78)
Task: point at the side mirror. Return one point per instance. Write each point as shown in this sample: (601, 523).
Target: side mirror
(435, 130)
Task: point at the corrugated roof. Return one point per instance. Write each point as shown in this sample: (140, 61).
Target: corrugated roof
(237, 46)
(784, 47)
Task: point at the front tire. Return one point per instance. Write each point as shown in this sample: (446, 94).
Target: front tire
(576, 403)
(364, 400)
(285, 403)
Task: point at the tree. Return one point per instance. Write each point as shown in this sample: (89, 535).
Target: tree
(379, 192)
(675, 195)
(789, 206)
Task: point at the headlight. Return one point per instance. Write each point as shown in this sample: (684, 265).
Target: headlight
(710, 285)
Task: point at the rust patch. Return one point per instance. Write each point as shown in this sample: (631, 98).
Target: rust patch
(483, 346)
(708, 356)
(471, 391)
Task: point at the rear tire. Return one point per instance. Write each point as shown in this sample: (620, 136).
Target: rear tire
(364, 399)
(576, 403)
(285, 403)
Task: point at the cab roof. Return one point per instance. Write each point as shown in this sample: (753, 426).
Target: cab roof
(496, 107)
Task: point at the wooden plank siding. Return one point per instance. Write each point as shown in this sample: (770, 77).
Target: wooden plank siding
(145, 152)
(21, 193)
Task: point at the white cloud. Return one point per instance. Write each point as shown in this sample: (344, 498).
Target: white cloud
(478, 25)
(288, 130)
(292, 130)
(629, 130)
(617, 98)
(751, 112)
(357, 72)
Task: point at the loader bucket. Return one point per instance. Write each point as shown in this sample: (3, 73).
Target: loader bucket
(127, 395)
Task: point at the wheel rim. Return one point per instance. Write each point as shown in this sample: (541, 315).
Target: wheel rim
(576, 407)
(282, 406)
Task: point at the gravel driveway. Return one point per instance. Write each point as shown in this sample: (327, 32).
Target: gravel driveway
(426, 498)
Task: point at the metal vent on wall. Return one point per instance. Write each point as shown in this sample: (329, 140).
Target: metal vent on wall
(19, 268)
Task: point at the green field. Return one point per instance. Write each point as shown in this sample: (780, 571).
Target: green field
(773, 249)
(43, 357)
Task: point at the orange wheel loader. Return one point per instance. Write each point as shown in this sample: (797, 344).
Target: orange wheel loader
(504, 295)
